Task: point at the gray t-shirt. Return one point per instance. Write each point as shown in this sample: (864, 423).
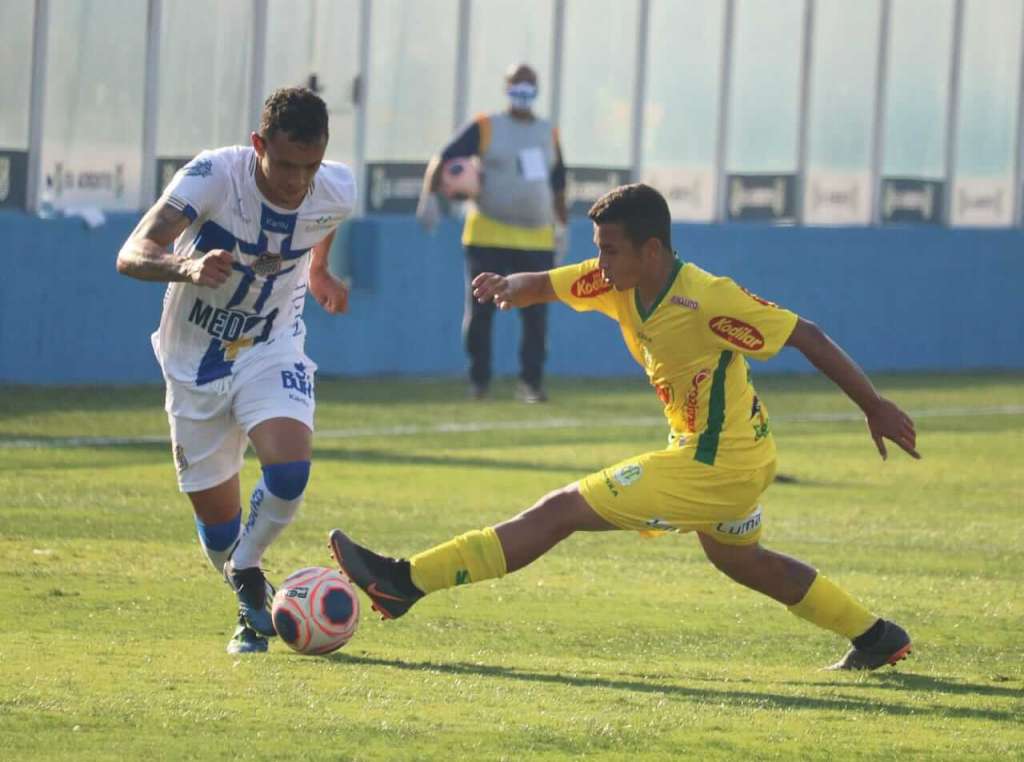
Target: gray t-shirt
(518, 158)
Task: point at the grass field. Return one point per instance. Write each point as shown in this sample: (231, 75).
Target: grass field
(613, 646)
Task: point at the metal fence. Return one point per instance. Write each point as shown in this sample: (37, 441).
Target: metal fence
(781, 111)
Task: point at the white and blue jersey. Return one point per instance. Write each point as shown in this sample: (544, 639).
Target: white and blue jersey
(208, 334)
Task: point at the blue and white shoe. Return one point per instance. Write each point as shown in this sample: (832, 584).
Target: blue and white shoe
(246, 640)
(254, 597)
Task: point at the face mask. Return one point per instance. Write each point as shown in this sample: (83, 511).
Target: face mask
(521, 95)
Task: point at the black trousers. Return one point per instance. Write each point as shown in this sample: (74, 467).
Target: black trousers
(477, 320)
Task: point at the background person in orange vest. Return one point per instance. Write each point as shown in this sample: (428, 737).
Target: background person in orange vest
(511, 224)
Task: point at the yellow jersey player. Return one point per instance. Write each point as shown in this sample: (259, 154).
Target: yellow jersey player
(692, 333)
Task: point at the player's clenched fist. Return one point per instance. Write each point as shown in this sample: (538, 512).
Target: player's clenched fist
(212, 269)
(330, 292)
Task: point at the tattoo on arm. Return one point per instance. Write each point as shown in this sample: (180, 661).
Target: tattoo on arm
(145, 254)
(162, 224)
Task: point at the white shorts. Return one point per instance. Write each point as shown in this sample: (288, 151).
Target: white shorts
(209, 431)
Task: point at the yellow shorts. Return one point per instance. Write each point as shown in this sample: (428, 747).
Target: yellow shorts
(669, 491)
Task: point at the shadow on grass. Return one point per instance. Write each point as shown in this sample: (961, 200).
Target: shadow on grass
(709, 695)
(792, 480)
(904, 681)
(397, 457)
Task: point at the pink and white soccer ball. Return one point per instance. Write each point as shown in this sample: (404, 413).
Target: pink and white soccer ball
(460, 178)
(316, 610)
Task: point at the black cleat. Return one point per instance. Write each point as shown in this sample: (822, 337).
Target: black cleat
(385, 580)
(892, 646)
(254, 597)
(246, 640)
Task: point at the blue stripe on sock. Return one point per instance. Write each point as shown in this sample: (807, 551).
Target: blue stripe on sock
(219, 536)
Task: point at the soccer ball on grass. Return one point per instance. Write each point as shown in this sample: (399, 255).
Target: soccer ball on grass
(315, 611)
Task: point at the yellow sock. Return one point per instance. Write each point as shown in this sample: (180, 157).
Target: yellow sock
(470, 557)
(829, 606)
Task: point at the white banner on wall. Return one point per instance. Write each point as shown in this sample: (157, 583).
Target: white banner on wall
(837, 198)
(108, 180)
(690, 191)
(983, 201)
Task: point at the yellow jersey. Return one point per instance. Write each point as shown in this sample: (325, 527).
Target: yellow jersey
(693, 343)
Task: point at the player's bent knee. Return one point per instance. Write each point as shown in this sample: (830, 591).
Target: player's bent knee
(287, 480)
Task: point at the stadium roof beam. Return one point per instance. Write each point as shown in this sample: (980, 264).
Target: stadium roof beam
(150, 103)
(953, 109)
(1018, 174)
(461, 64)
(37, 101)
(257, 61)
(725, 87)
(878, 132)
(360, 90)
(557, 45)
(639, 89)
(803, 113)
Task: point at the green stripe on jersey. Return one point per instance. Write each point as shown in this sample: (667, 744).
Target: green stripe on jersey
(707, 445)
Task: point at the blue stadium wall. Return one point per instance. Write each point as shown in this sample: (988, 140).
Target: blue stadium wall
(911, 298)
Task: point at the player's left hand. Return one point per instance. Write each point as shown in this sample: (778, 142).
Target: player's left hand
(887, 421)
(330, 292)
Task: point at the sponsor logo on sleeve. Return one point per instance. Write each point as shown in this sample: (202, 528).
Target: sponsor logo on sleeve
(590, 285)
(323, 222)
(198, 168)
(736, 332)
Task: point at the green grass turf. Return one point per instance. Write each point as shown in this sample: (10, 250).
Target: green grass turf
(613, 646)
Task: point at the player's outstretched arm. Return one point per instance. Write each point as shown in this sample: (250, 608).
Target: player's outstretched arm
(330, 291)
(518, 290)
(145, 254)
(885, 419)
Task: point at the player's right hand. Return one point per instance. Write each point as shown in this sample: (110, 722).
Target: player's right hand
(210, 270)
(887, 421)
(490, 287)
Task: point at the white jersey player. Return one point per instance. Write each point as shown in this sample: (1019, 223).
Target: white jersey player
(251, 228)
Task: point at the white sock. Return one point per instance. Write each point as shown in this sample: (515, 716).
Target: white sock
(218, 557)
(268, 516)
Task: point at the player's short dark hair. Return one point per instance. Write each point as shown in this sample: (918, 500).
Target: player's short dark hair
(640, 209)
(298, 112)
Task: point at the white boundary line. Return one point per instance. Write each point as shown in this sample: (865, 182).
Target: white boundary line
(481, 426)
